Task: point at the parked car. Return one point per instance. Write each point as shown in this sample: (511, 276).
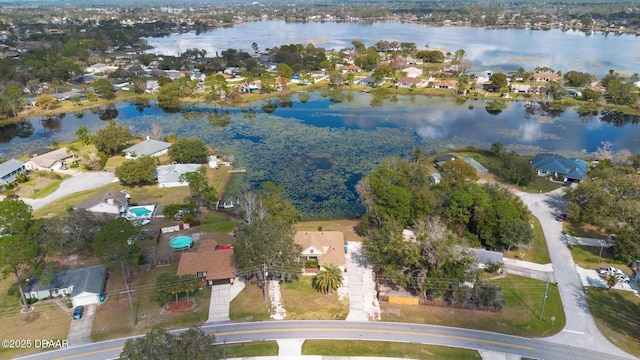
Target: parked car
(77, 312)
(623, 278)
(561, 217)
(13, 196)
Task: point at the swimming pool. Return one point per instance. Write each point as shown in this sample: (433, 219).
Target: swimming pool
(141, 212)
(181, 243)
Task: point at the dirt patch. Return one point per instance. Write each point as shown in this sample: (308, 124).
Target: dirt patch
(31, 317)
(182, 305)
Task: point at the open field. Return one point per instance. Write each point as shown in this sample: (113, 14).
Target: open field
(386, 349)
(48, 320)
(114, 318)
(616, 315)
(519, 316)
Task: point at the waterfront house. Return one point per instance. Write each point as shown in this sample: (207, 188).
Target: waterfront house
(51, 160)
(10, 169)
(147, 147)
(169, 175)
(325, 247)
(570, 170)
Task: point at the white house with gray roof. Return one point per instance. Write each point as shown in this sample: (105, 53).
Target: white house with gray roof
(147, 147)
(84, 286)
(169, 175)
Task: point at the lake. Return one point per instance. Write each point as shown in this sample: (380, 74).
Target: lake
(497, 49)
(318, 149)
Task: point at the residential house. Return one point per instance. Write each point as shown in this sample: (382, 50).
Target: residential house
(100, 69)
(169, 175)
(571, 170)
(476, 165)
(110, 204)
(412, 72)
(10, 169)
(84, 286)
(350, 68)
(152, 87)
(326, 247)
(197, 75)
(443, 158)
(546, 77)
(51, 160)
(408, 82)
(445, 84)
(211, 263)
(147, 147)
(484, 257)
(525, 88)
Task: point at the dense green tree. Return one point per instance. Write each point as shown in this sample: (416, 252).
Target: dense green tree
(169, 97)
(117, 241)
(328, 279)
(112, 138)
(18, 233)
(157, 344)
(202, 194)
(73, 232)
(84, 134)
(140, 171)
(458, 170)
(189, 150)
(104, 88)
(499, 81)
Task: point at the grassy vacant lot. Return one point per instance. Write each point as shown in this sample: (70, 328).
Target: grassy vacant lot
(519, 316)
(249, 305)
(590, 257)
(302, 302)
(385, 349)
(537, 251)
(46, 321)
(616, 315)
(40, 184)
(115, 319)
(348, 227)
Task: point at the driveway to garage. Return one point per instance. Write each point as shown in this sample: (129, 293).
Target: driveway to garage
(81, 181)
(580, 329)
(80, 330)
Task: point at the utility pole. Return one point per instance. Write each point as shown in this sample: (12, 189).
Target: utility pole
(545, 298)
(128, 292)
(264, 279)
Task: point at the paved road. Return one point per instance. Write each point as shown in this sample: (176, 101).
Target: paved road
(79, 182)
(580, 329)
(349, 330)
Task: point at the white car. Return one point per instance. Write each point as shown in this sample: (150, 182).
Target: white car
(623, 278)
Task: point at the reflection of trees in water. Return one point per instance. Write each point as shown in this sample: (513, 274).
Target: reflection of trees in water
(619, 119)
(548, 109)
(22, 130)
(140, 103)
(109, 112)
(249, 113)
(304, 97)
(269, 106)
(219, 118)
(495, 107)
(52, 123)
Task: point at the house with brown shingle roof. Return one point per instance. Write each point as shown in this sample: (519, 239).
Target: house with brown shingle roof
(546, 77)
(52, 160)
(211, 263)
(327, 247)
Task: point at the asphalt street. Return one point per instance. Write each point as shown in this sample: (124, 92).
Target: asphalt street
(347, 330)
(80, 181)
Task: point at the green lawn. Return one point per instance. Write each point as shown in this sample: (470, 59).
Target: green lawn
(616, 315)
(519, 316)
(249, 305)
(302, 302)
(591, 257)
(243, 350)
(386, 349)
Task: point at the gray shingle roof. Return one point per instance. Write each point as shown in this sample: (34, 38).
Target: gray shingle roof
(171, 173)
(147, 147)
(90, 279)
(571, 168)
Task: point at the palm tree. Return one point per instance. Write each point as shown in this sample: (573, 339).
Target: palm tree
(328, 279)
(611, 280)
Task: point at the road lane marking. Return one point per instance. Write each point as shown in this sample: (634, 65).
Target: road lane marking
(573, 331)
(218, 334)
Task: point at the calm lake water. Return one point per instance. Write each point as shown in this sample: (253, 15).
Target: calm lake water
(320, 148)
(497, 49)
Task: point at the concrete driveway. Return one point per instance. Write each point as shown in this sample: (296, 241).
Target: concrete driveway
(80, 330)
(79, 182)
